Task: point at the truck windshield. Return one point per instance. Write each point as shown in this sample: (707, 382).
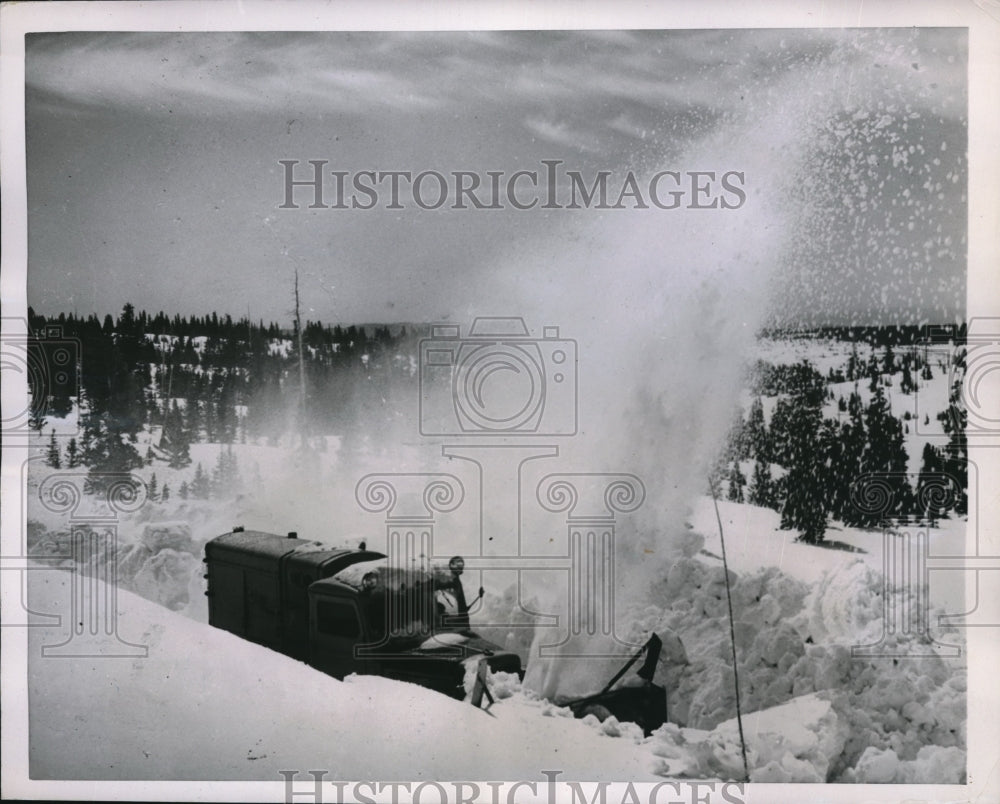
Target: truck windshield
(410, 614)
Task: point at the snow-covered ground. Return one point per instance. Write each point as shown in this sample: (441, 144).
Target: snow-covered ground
(800, 609)
(754, 541)
(205, 704)
(191, 709)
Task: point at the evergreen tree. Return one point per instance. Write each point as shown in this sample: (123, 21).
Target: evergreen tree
(181, 456)
(225, 477)
(91, 425)
(755, 433)
(761, 486)
(110, 458)
(735, 441)
(226, 410)
(72, 454)
(177, 436)
(200, 486)
(873, 374)
(853, 371)
(184, 491)
(737, 482)
(931, 506)
(955, 454)
(830, 446)
(805, 502)
(120, 395)
(36, 418)
(211, 419)
(888, 360)
(153, 491)
(779, 442)
(885, 457)
(52, 457)
(852, 447)
(165, 494)
(907, 385)
(716, 474)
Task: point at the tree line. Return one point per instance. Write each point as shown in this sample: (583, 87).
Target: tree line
(822, 458)
(213, 379)
(216, 380)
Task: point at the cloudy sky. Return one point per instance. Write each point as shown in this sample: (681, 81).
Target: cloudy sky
(154, 175)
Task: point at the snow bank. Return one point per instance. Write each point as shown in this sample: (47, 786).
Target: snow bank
(794, 742)
(793, 640)
(205, 704)
(793, 643)
(691, 603)
(161, 562)
(933, 765)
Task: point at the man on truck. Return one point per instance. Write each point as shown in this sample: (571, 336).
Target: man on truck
(453, 609)
(373, 608)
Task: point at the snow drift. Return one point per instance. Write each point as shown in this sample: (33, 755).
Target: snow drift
(195, 709)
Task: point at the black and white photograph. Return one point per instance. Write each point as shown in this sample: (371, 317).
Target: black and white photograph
(446, 403)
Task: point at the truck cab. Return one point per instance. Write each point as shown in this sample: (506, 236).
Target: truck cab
(369, 619)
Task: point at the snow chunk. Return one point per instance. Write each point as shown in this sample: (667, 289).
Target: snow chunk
(794, 742)
(165, 578)
(157, 536)
(877, 766)
(805, 729)
(933, 764)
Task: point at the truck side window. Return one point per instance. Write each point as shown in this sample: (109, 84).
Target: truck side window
(337, 619)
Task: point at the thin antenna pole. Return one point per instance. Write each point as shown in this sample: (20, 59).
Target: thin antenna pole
(169, 371)
(732, 633)
(302, 365)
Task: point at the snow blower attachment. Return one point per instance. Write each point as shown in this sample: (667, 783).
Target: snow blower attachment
(644, 704)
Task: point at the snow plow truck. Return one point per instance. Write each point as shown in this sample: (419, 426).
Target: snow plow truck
(343, 610)
(346, 610)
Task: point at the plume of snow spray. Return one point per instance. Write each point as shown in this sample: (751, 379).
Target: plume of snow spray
(667, 307)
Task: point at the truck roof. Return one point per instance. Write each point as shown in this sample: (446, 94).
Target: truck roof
(392, 577)
(259, 547)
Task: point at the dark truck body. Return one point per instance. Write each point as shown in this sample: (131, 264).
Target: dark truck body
(301, 599)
